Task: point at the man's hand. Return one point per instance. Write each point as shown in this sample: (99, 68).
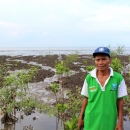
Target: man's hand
(80, 123)
(119, 126)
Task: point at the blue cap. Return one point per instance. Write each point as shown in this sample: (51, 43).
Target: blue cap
(102, 50)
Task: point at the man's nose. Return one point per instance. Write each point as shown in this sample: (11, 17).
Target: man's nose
(100, 61)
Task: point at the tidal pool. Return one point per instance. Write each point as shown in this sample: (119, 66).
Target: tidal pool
(41, 122)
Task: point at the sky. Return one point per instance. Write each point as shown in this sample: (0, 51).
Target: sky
(64, 23)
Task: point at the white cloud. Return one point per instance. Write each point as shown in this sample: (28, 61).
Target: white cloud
(14, 2)
(12, 29)
(64, 19)
(106, 17)
(7, 24)
(45, 34)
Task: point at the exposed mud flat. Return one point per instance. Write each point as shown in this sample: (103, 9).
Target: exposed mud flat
(47, 75)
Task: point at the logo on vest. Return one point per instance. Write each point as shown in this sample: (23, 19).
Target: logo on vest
(114, 87)
(92, 88)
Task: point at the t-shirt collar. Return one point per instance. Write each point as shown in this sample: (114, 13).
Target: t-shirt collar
(93, 72)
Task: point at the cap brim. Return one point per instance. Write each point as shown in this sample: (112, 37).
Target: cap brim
(94, 54)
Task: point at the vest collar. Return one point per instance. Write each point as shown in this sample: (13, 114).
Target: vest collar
(93, 72)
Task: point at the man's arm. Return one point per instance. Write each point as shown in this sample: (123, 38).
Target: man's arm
(84, 104)
(120, 105)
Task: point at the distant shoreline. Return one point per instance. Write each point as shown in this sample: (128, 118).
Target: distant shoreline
(54, 48)
(51, 51)
(49, 48)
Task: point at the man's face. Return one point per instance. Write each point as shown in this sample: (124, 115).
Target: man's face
(102, 62)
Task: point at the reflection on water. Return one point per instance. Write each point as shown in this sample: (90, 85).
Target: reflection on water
(127, 124)
(42, 122)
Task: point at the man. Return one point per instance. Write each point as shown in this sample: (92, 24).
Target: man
(103, 91)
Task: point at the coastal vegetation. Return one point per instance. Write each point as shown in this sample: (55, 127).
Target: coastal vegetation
(15, 93)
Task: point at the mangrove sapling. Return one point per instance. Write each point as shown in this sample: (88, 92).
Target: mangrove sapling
(113, 52)
(3, 73)
(71, 58)
(55, 88)
(120, 49)
(88, 68)
(72, 124)
(127, 103)
(85, 62)
(61, 68)
(116, 65)
(66, 109)
(73, 109)
(14, 94)
(74, 101)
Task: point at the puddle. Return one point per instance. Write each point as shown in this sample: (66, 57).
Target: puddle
(44, 95)
(127, 124)
(42, 122)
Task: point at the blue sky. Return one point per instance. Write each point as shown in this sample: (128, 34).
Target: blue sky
(64, 23)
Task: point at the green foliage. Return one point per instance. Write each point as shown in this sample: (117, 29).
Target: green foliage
(71, 58)
(15, 86)
(66, 109)
(116, 65)
(90, 68)
(43, 107)
(85, 62)
(118, 51)
(3, 73)
(71, 124)
(61, 68)
(127, 101)
(74, 101)
(113, 53)
(61, 107)
(54, 87)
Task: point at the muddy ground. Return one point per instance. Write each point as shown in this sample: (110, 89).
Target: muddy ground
(25, 62)
(78, 68)
(48, 61)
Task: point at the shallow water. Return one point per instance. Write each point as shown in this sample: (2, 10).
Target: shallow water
(127, 125)
(49, 51)
(42, 122)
